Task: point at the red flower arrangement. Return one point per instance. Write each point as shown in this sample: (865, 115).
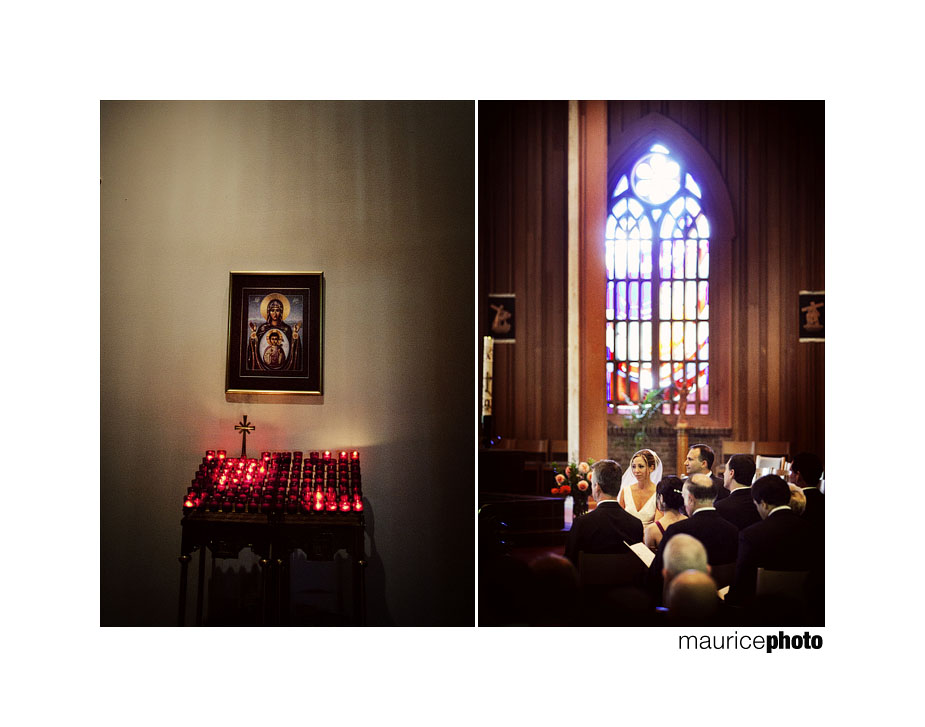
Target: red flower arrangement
(575, 476)
(575, 480)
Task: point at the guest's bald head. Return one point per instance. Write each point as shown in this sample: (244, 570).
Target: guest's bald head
(683, 552)
(691, 598)
(701, 489)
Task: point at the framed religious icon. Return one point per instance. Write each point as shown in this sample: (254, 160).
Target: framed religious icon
(275, 323)
(812, 316)
(501, 317)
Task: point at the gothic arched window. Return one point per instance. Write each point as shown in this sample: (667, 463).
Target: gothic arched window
(658, 291)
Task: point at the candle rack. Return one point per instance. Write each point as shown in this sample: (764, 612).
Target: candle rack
(277, 483)
(275, 504)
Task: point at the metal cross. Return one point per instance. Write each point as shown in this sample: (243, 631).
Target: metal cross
(245, 428)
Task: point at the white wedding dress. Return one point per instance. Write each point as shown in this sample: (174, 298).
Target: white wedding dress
(647, 512)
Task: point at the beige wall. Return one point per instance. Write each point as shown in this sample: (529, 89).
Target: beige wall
(379, 196)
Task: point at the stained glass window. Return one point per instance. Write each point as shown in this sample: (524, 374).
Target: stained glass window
(657, 246)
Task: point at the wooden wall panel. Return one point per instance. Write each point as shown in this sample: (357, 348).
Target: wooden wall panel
(522, 250)
(771, 156)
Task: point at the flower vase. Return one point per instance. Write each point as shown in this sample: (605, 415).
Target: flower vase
(579, 506)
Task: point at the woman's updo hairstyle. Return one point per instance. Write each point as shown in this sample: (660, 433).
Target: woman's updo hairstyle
(669, 489)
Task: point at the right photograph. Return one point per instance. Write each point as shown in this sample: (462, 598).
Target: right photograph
(651, 389)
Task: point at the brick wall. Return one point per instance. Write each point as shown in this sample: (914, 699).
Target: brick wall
(621, 444)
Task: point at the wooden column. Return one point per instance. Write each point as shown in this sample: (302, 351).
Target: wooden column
(587, 192)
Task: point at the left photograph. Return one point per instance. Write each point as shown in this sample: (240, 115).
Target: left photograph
(287, 289)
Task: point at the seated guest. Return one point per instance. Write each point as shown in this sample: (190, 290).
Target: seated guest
(805, 473)
(692, 601)
(738, 508)
(719, 537)
(683, 553)
(554, 591)
(669, 501)
(607, 526)
(699, 461)
(797, 499)
(781, 541)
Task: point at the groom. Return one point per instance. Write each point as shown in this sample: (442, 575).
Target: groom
(604, 529)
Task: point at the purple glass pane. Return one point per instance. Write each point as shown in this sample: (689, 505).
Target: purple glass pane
(621, 300)
(645, 251)
(647, 301)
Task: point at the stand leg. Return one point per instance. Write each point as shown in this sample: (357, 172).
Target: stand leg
(181, 608)
(201, 583)
(359, 580)
(286, 576)
(264, 589)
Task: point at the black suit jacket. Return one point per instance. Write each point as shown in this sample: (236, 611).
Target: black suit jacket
(782, 541)
(739, 508)
(718, 536)
(603, 530)
(815, 507)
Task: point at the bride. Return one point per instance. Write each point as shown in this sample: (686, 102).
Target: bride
(637, 493)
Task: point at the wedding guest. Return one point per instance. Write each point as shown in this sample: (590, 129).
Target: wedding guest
(805, 473)
(699, 461)
(738, 508)
(554, 589)
(670, 503)
(782, 540)
(683, 553)
(637, 493)
(719, 537)
(692, 601)
(608, 527)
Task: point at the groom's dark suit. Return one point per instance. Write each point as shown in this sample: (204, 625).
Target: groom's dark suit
(603, 530)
